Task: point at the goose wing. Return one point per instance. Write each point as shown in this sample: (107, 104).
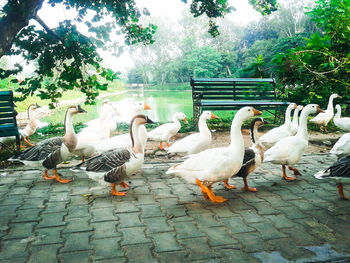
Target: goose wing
(41, 150)
(342, 146)
(107, 160)
(184, 144)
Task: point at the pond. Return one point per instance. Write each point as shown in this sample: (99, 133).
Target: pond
(163, 103)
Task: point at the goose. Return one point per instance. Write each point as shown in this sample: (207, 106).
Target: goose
(253, 156)
(324, 117)
(278, 133)
(114, 166)
(196, 142)
(295, 124)
(340, 172)
(128, 112)
(216, 164)
(164, 132)
(124, 140)
(289, 150)
(342, 146)
(341, 123)
(51, 152)
(27, 131)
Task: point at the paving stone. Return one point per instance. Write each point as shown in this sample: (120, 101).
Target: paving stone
(139, 253)
(264, 208)
(251, 216)
(78, 212)
(77, 225)
(44, 254)
(219, 236)
(58, 197)
(33, 203)
(8, 210)
(76, 257)
(280, 221)
(21, 230)
(103, 214)
(45, 236)
(105, 229)
(107, 248)
(157, 225)
(291, 252)
(133, 236)
(222, 211)
(27, 215)
(176, 214)
(252, 242)
(150, 211)
(12, 249)
(206, 220)
(79, 200)
(55, 207)
(129, 220)
(198, 249)
(53, 219)
(19, 191)
(165, 242)
(268, 231)
(187, 230)
(174, 257)
(236, 225)
(292, 212)
(301, 236)
(235, 255)
(76, 242)
(165, 193)
(126, 208)
(143, 199)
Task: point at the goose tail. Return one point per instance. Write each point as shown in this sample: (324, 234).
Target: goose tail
(322, 174)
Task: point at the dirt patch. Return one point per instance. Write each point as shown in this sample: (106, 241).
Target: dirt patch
(318, 143)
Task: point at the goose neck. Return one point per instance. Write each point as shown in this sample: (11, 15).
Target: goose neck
(135, 138)
(337, 114)
(69, 138)
(203, 127)
(302, 129)
(330, 104)
(176, 122)
(236, 134)
(287, 118)
(295, 116)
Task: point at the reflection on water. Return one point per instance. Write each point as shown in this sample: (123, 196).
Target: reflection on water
(164, 104)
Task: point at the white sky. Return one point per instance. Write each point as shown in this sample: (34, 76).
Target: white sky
(169, 10)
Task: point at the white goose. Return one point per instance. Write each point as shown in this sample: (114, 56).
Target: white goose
(295, 124)
(216, 164)
(289, 150)
(196, 142)
(124, 140)
(342, 146)
(164, 132)
(116, 165)
(324, 117)
(53, 151)
(338, 171)
(341, 123)
(278, 133)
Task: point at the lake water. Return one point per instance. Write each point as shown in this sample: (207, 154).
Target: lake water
(164, 104)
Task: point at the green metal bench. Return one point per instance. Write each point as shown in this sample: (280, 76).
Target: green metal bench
(233, 94)
(8, 123)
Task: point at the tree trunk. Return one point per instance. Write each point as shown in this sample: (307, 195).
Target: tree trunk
(15, 19)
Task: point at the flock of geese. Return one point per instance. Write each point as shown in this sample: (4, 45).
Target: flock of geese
(112, 159)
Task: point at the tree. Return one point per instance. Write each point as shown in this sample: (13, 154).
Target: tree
(70, 58)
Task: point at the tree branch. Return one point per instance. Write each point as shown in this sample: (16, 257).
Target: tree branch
(47, 29)
(20, 12)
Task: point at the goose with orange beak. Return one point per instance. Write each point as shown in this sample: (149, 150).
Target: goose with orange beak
(216, 164)
(289, 150)
(164, 132)
(196, 142)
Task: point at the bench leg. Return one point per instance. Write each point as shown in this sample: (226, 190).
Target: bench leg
(18, 144)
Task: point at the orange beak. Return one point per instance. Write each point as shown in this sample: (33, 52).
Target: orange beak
(319, 109)
(185, 120)
(146, 107)
(256, 112)
(213, 116)
(295, 106)
(339, 97)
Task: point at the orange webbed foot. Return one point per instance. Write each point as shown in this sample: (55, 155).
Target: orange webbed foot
(229, 186)
(341, 192)
(168, 144)
(59, 179)
(247, 188)
(47, 177)
(115, 192)
(161, 146)
(209, 193)
(289, 178)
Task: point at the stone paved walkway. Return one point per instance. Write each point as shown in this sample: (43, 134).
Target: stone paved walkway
(162, 219)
